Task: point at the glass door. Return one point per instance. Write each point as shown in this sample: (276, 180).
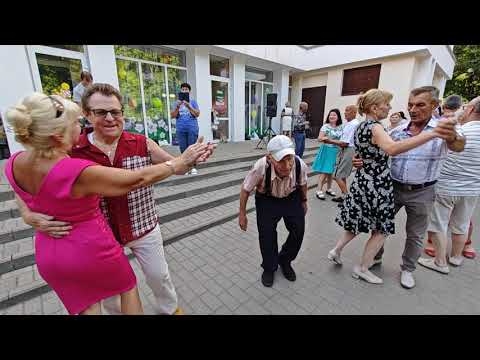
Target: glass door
(247, 110)
(130, 88)
(149, 91)
(156, 106)
(220, 110)
(267, 89)
(255, 110)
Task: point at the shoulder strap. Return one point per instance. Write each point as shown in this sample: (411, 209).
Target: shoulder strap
(268, 179)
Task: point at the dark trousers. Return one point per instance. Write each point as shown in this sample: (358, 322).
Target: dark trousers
(269, 212)
(299, 143)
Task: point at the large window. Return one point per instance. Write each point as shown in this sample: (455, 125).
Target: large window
(56, 69)
(59, 75)
(360, 79)
(219, 66)
(258, 74)
(78, 48)
(150, 89)
(155, 53)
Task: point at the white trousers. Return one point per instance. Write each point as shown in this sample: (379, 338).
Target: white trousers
(148, 251)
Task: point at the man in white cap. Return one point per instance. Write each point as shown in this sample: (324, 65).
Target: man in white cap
(280, 181)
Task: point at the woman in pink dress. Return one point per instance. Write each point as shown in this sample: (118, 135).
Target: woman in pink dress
(88, 265)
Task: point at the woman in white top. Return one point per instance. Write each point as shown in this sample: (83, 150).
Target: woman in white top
(396, 119)
(286, 116)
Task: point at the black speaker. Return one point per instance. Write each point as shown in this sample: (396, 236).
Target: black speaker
(271, 105)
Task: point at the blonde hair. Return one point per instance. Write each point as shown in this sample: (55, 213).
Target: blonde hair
(372, 97)
(303, 105)
(34, 121)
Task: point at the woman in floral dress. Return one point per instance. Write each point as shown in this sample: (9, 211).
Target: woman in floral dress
(369, 205)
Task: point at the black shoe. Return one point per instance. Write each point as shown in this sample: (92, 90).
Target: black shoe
(377, 261)
(267, 278)
(338, 199)
(288, 272)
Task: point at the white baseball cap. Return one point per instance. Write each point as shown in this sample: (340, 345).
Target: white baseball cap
(280, 146)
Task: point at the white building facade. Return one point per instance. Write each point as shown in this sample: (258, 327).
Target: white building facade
(229, 82)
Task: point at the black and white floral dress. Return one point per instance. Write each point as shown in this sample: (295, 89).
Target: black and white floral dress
(369, 205)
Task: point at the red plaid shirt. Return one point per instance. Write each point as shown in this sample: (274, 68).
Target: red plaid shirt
(133, 215)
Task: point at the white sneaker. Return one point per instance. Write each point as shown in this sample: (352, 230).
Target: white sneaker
(366, 275)
(407, 280)
(333, 256)
(194, 171)
(432, 265)
(456, 260)
(320, 195)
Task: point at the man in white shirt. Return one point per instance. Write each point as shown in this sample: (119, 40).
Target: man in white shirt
(343, 167)
(86, 80)
(457, 192)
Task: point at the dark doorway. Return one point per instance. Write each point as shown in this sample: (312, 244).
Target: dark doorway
(315, 98)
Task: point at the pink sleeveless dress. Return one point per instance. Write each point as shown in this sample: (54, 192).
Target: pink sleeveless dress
(88, 264)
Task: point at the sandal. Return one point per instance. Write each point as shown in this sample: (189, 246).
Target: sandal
(469, 254)
(430, 252)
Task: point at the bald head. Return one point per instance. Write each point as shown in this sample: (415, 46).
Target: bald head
(476, 105)
(350, 112)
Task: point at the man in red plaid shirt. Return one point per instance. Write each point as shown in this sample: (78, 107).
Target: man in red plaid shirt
(133, 217)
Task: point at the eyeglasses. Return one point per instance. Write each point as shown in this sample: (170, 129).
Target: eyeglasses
(103, 113)
(58, 106)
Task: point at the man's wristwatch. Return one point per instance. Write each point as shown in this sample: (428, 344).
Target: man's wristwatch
(169, 163)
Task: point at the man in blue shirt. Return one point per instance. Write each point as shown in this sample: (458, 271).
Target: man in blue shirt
(186, 113)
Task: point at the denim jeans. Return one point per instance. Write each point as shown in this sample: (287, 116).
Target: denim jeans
(299, 143)
(186, 137)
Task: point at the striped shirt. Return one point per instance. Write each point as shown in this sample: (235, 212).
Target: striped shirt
(421, 164)
(460, 175)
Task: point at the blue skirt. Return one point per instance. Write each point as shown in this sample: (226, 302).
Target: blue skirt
(325, 160)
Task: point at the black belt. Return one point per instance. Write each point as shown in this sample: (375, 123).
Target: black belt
(414, 186)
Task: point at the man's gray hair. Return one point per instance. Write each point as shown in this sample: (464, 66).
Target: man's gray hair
(432, 90)
(477, 106)
(453, 102)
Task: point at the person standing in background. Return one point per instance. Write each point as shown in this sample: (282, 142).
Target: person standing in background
(298, 126)
(286, 117)
(186, 113)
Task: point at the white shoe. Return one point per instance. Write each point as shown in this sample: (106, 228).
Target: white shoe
(407, 280)
(193, 171)
(456, 260)
(333, 256)
(366, 275)
(320, 195)
(432, 265)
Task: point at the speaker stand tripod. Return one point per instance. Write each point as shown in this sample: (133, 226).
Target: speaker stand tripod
(267, 134)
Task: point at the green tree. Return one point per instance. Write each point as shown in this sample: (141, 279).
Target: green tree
(466, 75)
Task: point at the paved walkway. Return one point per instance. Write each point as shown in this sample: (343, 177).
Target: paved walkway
(217, 271)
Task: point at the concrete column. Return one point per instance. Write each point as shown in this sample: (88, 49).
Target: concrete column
(17, 82)
(280, 86)
(102, 63)
(297, 86)
(237, 96)
(198, 76)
